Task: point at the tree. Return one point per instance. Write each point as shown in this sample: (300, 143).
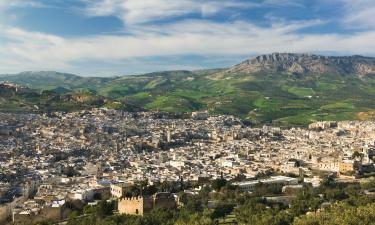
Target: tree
(202, 218)
(340, 214)
(357, 155)
(183, 198)
(307, 200)
(194, 204)
(88, 209)
(218, 184)
(328, 181)
(165, 186)
(222, 210)
(257, 212)
(104, 208)
(73, 215)
(335, 194)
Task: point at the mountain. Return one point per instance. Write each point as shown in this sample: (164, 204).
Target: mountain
(279, 88)
(50, 80)
(307, 63)
(16, 98)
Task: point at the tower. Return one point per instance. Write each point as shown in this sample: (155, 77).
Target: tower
(169, 136)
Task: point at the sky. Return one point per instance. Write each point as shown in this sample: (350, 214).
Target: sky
(121, 37)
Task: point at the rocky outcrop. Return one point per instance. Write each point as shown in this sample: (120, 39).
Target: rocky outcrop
(307, 63)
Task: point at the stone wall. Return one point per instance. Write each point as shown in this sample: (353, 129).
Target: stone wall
(142, 205)
(164, 201)
(135, 205)
(45, 214)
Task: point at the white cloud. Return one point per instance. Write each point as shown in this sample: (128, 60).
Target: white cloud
(137, 12)
(142, 11)
(359, 13)
(25, 50)
(19, 3)
(284, 3)
(36, 51)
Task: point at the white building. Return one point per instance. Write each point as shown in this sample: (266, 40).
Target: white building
(250, 185)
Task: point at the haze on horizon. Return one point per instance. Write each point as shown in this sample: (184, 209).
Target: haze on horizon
(117, 37)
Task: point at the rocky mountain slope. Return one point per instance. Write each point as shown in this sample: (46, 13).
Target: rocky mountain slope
(307, 63)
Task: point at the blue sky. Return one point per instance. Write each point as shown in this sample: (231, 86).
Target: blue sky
(118, 37)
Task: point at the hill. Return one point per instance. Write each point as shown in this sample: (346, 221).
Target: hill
(282, 88)
(49, 80)
(16, 98)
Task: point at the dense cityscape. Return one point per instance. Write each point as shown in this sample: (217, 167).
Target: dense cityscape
(49, 160)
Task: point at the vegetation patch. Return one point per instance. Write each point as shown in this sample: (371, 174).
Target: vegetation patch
(338, 105)
(299, 91)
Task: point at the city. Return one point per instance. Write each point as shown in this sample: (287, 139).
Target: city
(49, 160)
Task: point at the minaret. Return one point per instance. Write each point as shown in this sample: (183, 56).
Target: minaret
(169, 136)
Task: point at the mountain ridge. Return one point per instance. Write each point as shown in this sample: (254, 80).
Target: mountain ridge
(302, 63)
(274, 62)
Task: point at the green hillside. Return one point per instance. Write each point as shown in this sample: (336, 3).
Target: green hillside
(49, 80)
(32, 101)
(279, 97)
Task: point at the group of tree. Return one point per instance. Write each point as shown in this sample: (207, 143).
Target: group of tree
(330, 204)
